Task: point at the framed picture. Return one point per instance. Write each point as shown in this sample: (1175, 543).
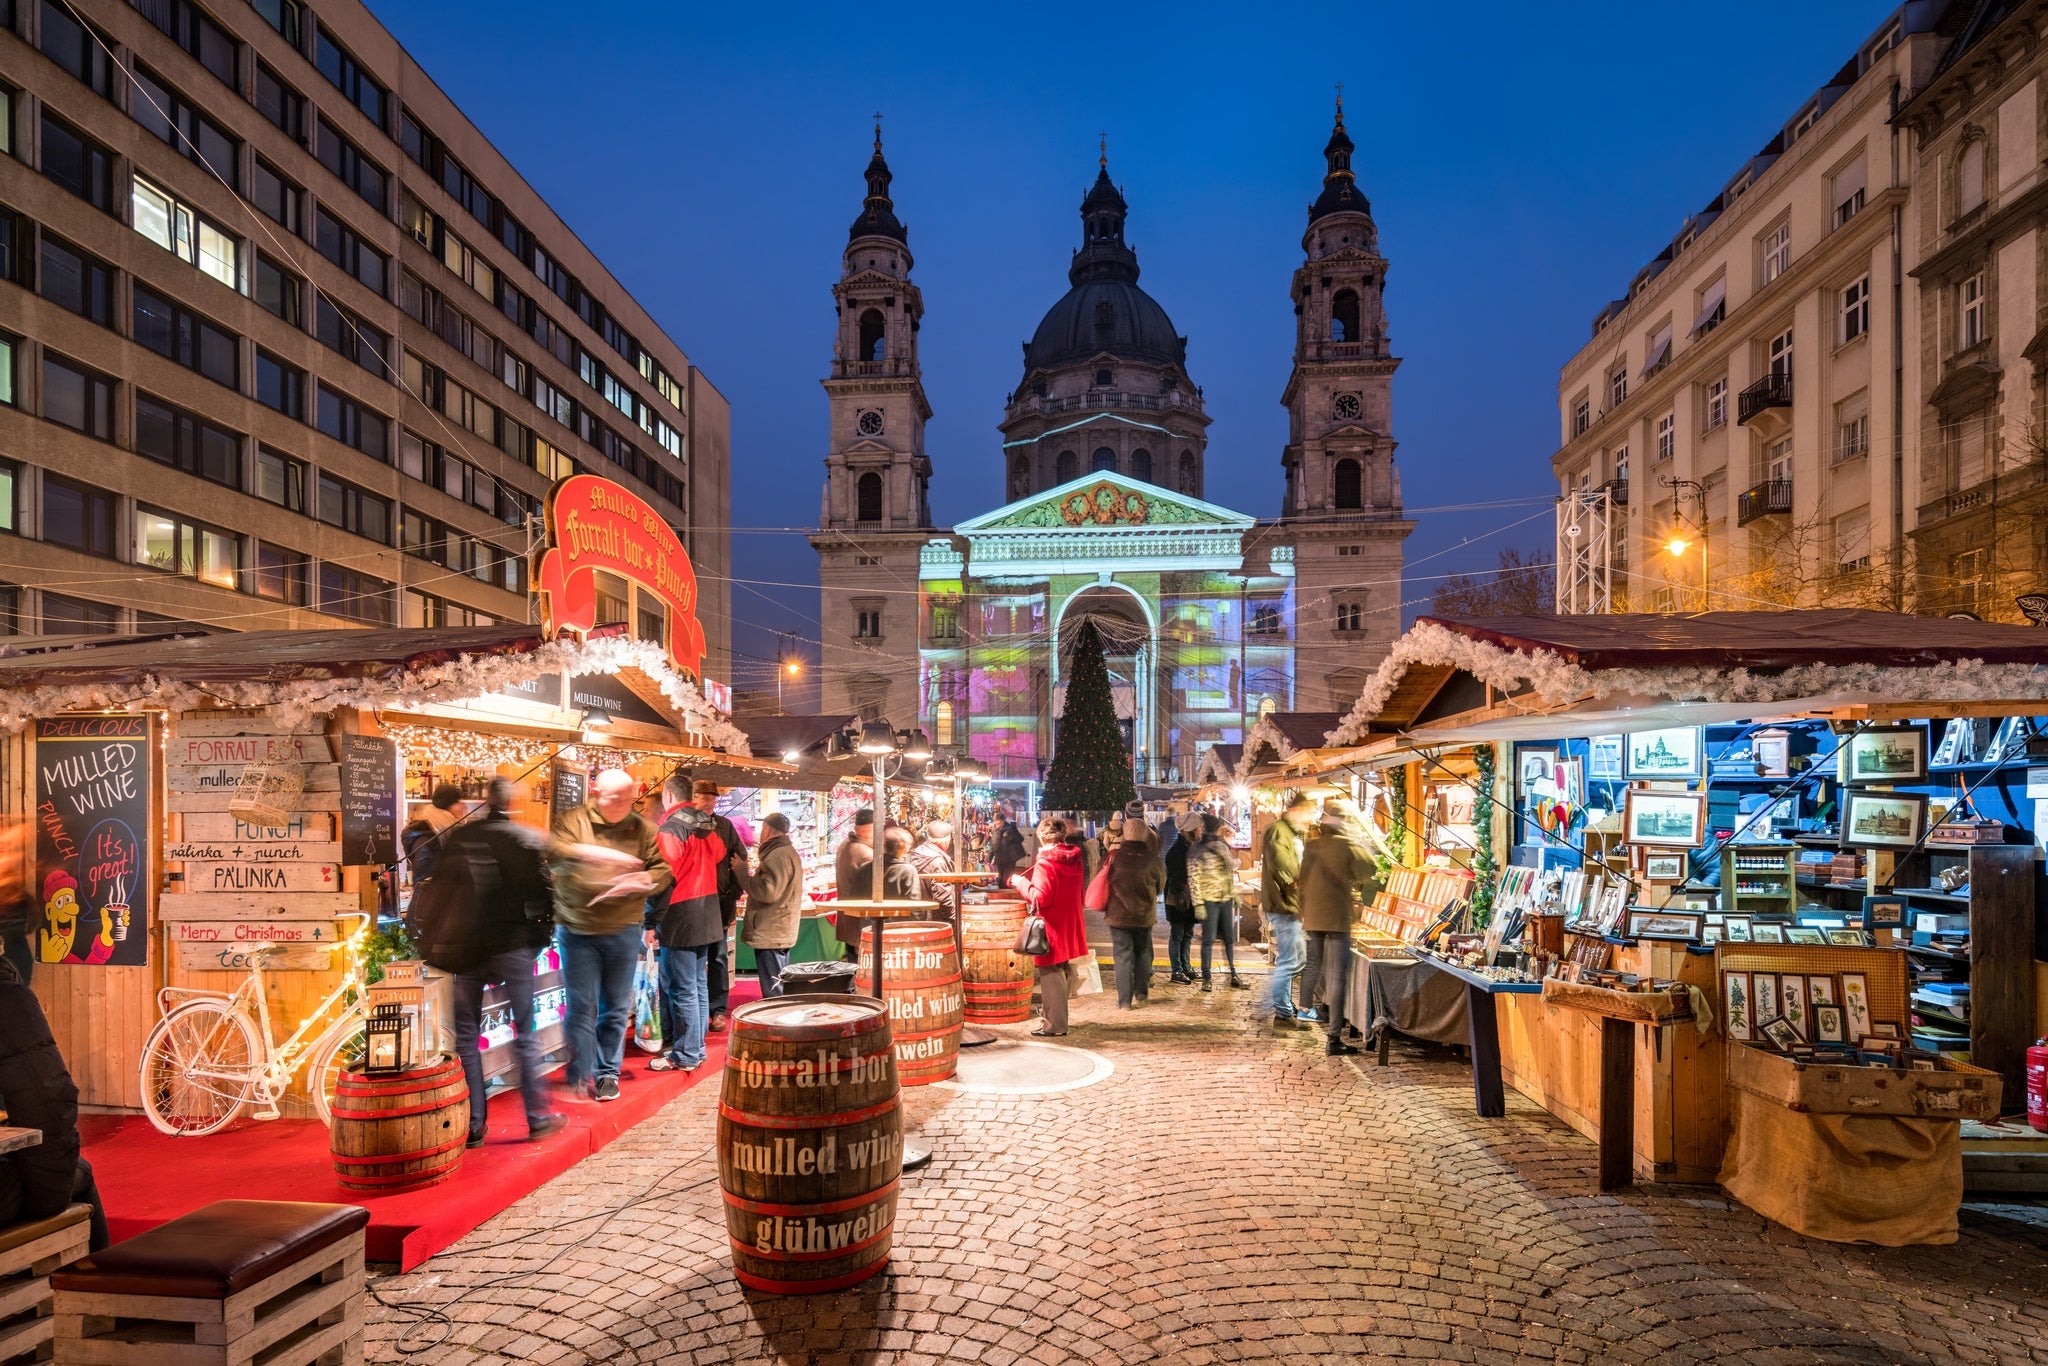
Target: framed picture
(1535, 766)
(1805, 934)
(1767, 932)
(1820, 991)
(1884, 913)
(1735, 997)
(1827, 1025)
(1855, 1005)
(1736, 928)
(1674, 820)
(1848, 939)
(1699, 903)
(1885, 754)
(1780, 1032)
(1883, 1029)
(1684, 925)
(1710, 934)
(1603, 758)
(1773, 750)
(1883, 820)
(1792, 1004)
(1571, 781)
(1763, 995)
(1664, 867)
(1664, 755)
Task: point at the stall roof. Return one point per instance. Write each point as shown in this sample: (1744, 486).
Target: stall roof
(1281, 735)
(260, 656)
(1496, 678)
(1219, 764)
(775, 736)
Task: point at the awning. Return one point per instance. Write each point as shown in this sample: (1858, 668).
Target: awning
(1710, 304)
(1660, 351)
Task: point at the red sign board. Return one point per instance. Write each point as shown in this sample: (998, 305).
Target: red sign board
(595, 526)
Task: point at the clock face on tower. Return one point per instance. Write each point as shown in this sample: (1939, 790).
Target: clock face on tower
(870, 422)
(1345, 407)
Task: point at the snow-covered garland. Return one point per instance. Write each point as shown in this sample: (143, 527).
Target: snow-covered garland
(461, 678)
(1263, 734)
(1212, 769)
(1556, 680)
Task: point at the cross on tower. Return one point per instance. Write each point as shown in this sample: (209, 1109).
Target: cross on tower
(1102, 136)
(878, 130)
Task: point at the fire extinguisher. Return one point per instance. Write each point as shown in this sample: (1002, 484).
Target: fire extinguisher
(2037, 1085)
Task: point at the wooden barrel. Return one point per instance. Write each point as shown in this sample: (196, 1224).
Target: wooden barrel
(810, 1142)
(921, 982)
(408, 1129)
(998, 982)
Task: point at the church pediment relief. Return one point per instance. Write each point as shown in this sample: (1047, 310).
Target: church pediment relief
(880, 450)
(1353, 430)
(1105, 502)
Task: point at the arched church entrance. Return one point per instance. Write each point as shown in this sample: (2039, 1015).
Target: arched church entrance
(1128, 646)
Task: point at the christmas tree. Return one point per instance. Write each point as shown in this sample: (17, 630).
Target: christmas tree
(1091, 769)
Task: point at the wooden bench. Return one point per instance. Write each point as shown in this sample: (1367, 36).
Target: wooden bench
(234, 1282)
(29, 1252)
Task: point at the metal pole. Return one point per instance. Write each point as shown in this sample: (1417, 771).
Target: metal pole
(876, 886)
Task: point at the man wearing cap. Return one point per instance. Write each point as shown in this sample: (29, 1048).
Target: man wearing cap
(853, 864)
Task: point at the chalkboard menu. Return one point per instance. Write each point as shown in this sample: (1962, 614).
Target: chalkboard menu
(571, 788)
(369, 800)
(93, 877)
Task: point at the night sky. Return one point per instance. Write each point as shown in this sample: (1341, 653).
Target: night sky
(1523, 161)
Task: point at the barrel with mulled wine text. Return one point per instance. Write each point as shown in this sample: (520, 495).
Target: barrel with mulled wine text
(997, 986)
(399, 1131)
(921, 983)
(810, 1142)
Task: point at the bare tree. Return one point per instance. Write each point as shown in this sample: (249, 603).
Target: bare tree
(1523, 586)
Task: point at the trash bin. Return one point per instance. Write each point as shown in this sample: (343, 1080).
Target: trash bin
(831, 979)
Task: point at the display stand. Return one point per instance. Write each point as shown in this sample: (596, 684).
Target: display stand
(1619, 1013)
(1488, 1096)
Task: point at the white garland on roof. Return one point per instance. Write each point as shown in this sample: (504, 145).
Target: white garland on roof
(1212, 770)
(1262, 734)
(1556, 680)
(454, 680)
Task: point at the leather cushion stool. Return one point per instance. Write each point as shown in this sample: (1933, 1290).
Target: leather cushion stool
(229, 1283)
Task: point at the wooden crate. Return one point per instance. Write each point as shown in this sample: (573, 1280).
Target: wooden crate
(1956, 1091)
(28, 1254)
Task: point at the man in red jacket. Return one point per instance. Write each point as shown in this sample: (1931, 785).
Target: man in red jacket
(689, 927)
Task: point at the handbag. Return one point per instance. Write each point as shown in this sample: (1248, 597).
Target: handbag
(1097, 897)
(1091, 974)
(1032, 940)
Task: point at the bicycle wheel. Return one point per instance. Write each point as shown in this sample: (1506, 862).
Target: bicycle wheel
(198, 1067)
(342, 1052)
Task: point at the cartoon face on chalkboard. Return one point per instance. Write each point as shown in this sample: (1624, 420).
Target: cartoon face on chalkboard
(58, 939)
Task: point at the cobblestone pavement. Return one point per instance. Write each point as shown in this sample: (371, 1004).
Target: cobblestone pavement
(1228, 1194)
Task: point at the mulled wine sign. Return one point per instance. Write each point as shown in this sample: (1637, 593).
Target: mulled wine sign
(595, 526)
(369, 800)
(94, 777)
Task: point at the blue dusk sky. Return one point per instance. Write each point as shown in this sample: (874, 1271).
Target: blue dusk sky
(1523, 161)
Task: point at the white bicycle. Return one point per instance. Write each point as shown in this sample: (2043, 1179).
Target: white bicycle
(213, 1054)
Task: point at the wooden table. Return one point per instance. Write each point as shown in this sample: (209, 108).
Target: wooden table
(1489, 1097)
(14, 1140)
(1619, 1013)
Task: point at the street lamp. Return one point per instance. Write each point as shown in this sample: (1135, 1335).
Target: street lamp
(790, 668)
(1678, 544)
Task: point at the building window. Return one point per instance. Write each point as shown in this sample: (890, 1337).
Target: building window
(1350, 616)
(77, 163)
(359, 597)
(874, 344)
(191, 29)
(279, 103)
(1970, 178)
(342, 245)
(1776, 249)
(280, 479)
(1104, 379)
(1141, 465)
(348, 164)
(867, 623)
(1617, 388)
(78, 517)
(181, 124)
(1667, 436)
(68, 616)
(183, 231)
(1265, 620)
(178, 334)
(1103, 461)
(348, 76)
(1582, 416)
(10, 498)
(171, 436)
(1716, 414)
(354, 510)
(288, 17)
(278, 290)
(1780, 353)
(166, 541)
(464, 189)
(1852, 541)
(1349, 549)
(1970, 304)
(352, 424)
(1713, 307)
(1344, 316)
(651, 620)
(73, 280)
(1190, 479)
(76, 48)
(1852, 429)
(78, 398)
(278, 574)
(1856, 309)
(280, 199)
(868, 498)
(1348, 485)
(350, 337)
(1067, 466)
(942, 724)
(1847, 192)
(945, 623)
(280, 386)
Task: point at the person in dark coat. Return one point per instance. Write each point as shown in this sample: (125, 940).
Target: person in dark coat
(1006, 851)
(1180, 909)
(731, 886)
(37, 1093)
(1335, 871)
(513, 925)
(853, 868)
(1136, 876)
(689, 926)
(423, 839)
(775, 903)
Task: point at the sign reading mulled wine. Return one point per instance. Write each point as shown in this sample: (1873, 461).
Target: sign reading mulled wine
(93, 781)
(597, 527)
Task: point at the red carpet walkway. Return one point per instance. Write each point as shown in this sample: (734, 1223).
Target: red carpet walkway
(146, 1177)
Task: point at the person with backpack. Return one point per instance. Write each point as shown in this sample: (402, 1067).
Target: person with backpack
(1335, 871)
(424, 838)
(1180, 902)
(689, 926)
(506, 915)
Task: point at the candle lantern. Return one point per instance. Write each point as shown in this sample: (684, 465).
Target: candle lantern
(387, 1041)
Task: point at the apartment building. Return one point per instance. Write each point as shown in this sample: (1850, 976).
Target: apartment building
(1747, 406)
(284, 342)
(1977, 476)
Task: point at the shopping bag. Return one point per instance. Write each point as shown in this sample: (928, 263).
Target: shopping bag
(1097, 898)
(1091, 974)
(647, 1002)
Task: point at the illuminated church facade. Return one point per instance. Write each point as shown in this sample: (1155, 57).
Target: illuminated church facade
(1210, 617)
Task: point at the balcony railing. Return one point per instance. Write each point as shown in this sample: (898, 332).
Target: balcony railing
(1617, 492)
(1772, 391)
(1771, 498)
(870, 369)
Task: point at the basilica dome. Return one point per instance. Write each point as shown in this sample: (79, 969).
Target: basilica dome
(1104, 311)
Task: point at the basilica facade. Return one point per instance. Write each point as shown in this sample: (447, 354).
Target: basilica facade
(1211, 617)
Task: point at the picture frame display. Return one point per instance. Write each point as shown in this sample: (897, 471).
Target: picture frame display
(1764, 996)
(1780, 1032)
(1827, 1024)
(1735, 998)
(1604, 757)
(1664, 867)
(1805, 934)
(1855, 1005)
(1773, 750)
(1884, 913)
(1885, 754)
(1792, 1005)
(1664, 755)
(1736, 929)
(1666, 820)
(1883, 820)
(1535, 766)
(1851, 939)
(1766, 932)
(1679, 925)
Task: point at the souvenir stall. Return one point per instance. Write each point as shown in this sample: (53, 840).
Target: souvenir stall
(1678, 785)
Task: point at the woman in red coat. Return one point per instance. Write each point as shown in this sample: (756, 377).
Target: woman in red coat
(1054, 889)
